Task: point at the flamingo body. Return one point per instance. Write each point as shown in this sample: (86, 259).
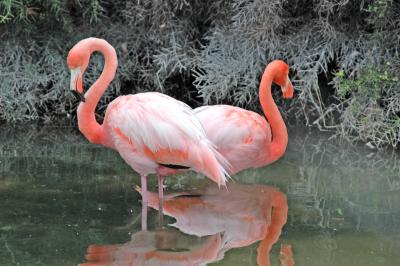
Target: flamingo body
(152, 129)
(243, 137)
(239, 134)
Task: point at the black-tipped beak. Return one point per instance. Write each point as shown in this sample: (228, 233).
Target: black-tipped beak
(287, 89)
(74, 86)
(79, 96)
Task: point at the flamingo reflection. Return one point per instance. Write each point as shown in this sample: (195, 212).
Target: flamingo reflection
(224, 219)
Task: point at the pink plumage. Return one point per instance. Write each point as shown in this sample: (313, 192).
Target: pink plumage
(240, 135)
(152, 132)
(245, 138)
(149, 129)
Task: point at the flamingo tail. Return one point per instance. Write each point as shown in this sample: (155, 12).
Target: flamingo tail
(211, 163)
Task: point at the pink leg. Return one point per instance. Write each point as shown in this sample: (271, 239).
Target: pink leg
(143, 180)
(160, 199)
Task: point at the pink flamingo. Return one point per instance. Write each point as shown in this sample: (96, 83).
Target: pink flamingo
(244, 137)
(153, 133)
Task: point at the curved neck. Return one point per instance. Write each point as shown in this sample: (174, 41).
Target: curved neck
(86, 111)
(279, 141)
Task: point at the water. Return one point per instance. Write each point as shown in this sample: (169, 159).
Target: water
(64, 201)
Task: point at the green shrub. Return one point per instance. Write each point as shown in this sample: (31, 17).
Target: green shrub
(368, 85)
(371, 102)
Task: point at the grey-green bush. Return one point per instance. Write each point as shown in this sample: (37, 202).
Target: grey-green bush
(343, 57)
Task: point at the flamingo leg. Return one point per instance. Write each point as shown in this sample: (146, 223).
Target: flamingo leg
(160, 199)
(143, 180)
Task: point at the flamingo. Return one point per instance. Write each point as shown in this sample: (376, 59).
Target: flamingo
(243, 137)
(153, 133)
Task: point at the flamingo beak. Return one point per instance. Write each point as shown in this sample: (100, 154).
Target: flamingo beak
(287, 89)
(76, 83)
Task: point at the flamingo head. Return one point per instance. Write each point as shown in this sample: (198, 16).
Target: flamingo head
(78, 60)
(282, 78)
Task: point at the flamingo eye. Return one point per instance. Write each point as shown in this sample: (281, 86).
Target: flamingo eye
(74, 60)
(280, 80)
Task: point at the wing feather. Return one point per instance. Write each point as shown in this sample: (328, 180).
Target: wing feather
(239, 134)
(156, 121)
(168, 129)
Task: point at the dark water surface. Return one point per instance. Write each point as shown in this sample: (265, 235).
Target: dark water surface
(64, 201)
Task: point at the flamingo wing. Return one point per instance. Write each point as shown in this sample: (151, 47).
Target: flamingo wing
(240, 135)
(164, 131)
(155, 120)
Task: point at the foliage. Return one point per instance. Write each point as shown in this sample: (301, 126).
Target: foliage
(372, 104)
(207, 52)
(34, 13)
(32, 60)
